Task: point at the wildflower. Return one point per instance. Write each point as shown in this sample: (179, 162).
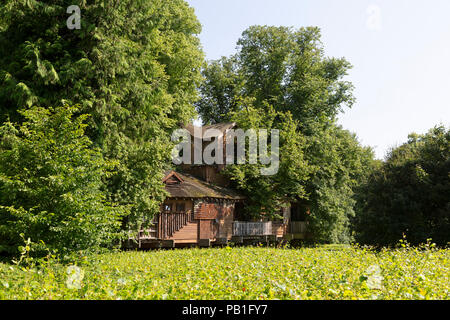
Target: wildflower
(422, 277)
(333, 291)
(408, 295)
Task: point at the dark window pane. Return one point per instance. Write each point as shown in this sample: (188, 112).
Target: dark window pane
(181, 207)
(298, 212)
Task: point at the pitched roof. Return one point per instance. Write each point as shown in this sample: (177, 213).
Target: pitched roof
(192, 187)
(171, 177)
(222, 127)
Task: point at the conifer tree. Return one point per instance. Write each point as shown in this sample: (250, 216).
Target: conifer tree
(133, 65)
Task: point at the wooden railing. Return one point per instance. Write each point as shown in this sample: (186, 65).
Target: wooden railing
(279, 228)
(252, 228)
(167, 223)
(297, 227)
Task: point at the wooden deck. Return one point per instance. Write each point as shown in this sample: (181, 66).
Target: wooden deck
(256, 232)
(180, 228)
(242, 229)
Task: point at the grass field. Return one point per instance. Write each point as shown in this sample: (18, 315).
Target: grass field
(238, 273)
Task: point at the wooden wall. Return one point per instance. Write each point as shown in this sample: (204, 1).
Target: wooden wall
(188, 204)
(216, 219)
(213, 218)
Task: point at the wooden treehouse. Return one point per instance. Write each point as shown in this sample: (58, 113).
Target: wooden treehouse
(195, 213)
(201, 210)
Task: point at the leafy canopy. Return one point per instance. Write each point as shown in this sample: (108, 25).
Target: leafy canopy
(51, 185)
(268, 193)
(321, 164)
(409, 194)
(280, 66)
(134, 66)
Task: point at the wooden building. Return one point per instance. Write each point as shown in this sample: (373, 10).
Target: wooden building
(195, 213)
(202, 210)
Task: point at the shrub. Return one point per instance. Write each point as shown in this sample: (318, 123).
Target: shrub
(51, 185)
(409, 194)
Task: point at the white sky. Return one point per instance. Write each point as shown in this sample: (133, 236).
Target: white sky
(400, 50)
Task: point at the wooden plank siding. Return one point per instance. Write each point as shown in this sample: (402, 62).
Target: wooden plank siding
(279, 229)
(297, 227)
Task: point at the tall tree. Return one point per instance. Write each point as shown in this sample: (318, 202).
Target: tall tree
(280, 66)
(134, 66)
(409, 193)
(267, 192)
(341, 165)
(287, 69)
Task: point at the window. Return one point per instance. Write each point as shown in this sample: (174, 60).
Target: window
(298, 212)
(181, 207)
(167, 207)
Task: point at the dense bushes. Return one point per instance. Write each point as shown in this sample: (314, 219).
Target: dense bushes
(239, 274)
(409, 194)
(50, 185)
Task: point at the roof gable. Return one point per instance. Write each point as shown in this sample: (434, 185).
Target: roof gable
(172, 178)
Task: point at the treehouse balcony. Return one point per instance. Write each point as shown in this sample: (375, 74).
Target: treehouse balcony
(264, 230)
(168, 223)
(243, 229)
(298, 230)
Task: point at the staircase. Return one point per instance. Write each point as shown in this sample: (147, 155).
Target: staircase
(149, 234)
(187, 234)
(168, 223)
(177, 226)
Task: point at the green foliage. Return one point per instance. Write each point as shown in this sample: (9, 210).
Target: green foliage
(341, 166)
(268, 193)
(239, 273)
(322, 164)
(51, 186)
(134, 66)
(409, 194)
(221, 90)
(281, 67)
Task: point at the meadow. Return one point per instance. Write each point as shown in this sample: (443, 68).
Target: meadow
(238, 273)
